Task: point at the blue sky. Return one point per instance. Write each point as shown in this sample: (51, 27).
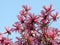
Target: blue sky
(9, 9)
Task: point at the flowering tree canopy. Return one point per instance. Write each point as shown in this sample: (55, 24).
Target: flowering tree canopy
(34, 29)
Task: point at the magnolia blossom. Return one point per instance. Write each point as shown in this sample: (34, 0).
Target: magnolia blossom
(57, 38)
(34, 29)
(51, 33)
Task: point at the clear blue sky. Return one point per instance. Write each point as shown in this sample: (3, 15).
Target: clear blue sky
(9, 9)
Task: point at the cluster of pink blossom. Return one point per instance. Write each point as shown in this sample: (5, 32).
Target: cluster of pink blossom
(34, 29)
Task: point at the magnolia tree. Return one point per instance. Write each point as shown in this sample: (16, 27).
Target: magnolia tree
(34, 29)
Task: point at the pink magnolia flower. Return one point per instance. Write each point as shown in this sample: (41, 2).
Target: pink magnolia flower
(33, 18)
(54, 16)
(26, 8)
(21, 18)
(23, 13)
(7, 41)
(8, 30)
(18, 27)
(4, 40)
(51, 32)
(48, 9)
(57, 37)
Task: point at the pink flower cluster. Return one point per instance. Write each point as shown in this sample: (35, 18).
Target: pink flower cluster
(34, 29)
